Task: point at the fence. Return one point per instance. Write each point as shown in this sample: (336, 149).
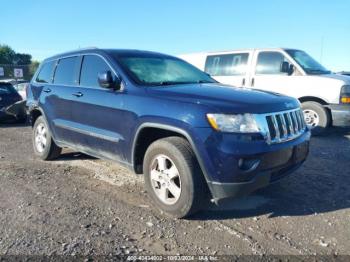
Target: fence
(16, 72)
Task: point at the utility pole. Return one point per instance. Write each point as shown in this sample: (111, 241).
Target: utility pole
(321, 56)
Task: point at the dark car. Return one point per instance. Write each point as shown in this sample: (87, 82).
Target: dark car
(346, 73)
(10, 97)
(192, 138)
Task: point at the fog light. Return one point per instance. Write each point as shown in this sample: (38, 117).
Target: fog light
(248, 164)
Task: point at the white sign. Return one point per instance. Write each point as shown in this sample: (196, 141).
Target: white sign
(2, 73)
(18, 72)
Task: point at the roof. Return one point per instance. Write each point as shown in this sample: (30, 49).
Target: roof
(103, 51)
(243, 50)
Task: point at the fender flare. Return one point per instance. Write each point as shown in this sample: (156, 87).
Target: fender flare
(176, 130)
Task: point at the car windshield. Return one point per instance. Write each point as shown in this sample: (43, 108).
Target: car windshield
(6, 89)
(310, 65)
(161, 70)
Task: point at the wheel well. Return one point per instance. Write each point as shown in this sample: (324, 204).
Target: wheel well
(318, 100)
(312, 99)
(145, 138)
(34, 114)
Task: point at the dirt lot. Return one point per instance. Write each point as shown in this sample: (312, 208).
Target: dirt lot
(84, 206)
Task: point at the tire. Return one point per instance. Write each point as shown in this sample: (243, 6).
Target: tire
(193, 189)
(48, 149)
(321, 117)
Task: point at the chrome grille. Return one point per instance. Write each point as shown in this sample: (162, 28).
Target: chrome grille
(282, 126)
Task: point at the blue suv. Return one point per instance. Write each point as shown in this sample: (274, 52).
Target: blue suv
(193, 139)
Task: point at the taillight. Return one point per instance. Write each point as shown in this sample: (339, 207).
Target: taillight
(345, 94)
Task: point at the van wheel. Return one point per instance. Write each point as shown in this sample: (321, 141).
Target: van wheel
(44, 146)
(316, 117)
(173, 178)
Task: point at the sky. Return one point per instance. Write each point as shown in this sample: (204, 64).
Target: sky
(43, 28)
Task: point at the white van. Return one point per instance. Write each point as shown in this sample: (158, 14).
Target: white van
(325, 96)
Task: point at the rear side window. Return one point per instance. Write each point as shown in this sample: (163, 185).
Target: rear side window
(46, 72)
(91, 67)
(67, 71)
(6, 89)
(227, 65)
(269, 63)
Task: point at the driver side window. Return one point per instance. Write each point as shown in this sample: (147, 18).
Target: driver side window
(269, 63)
(91, 67)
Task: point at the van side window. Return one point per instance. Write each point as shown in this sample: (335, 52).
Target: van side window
(46, 72)
(67, 71)
(227, 65)
(91, 67)
(269, 63)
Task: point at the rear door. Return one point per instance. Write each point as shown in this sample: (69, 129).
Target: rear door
(60, 95)
(229, 68)
(97, 112)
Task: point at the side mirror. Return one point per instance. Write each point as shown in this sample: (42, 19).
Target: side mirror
(287, 68)
(106, 80)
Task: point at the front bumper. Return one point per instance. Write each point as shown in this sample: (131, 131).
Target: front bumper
(237, 164)
(340, 114)
(261, 179)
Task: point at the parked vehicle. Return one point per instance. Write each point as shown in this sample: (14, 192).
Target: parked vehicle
(192, 138)
(325, 97)
(21, 89)
(346, 73)
(8, 98)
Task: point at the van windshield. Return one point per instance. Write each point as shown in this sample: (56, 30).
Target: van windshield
(310, 65)
(157, 70)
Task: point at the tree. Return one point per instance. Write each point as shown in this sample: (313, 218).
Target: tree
(22, 59)
(10, 60)
(33, 67)
(7, 55)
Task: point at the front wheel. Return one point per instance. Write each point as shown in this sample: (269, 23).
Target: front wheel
(43, 144)
(316, 117)
(173, 178)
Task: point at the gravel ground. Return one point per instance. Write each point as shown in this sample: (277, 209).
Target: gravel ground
(79, 205)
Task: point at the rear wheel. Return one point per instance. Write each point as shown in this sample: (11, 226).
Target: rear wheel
(173, 178)
(43, 144)
(316, 117)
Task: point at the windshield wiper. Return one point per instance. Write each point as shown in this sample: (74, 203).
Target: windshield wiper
(167, 83)
(204, 82)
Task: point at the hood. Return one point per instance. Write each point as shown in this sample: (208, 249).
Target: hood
(342, 79)
(226, 99)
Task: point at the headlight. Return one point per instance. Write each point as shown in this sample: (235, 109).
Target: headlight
(241, 123)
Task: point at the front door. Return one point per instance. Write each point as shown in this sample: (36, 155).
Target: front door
(267, 74)
(97, 112)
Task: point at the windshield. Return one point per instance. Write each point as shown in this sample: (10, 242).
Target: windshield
(310, 65)
(161, 70)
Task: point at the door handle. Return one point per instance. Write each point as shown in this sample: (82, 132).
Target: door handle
(78, 94)
(47, 90)
(252, 83)
(243, 82)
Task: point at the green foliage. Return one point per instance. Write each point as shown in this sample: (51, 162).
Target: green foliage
(9, 60)
(9, 57)
(7, 54)
(33, 67)
(23, 59)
